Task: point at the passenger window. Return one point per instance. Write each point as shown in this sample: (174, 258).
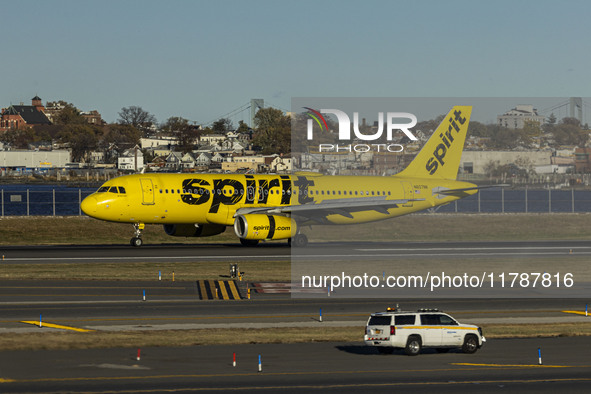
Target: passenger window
(172, 191)
(113, 189)
(430, 320)
(447, 321)
(379, 321)
(121, 190)
(404, 320)
(166, 190)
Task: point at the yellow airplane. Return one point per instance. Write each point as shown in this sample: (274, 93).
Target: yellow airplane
(276, 207)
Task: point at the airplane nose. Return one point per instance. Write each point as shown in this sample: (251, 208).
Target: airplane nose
(88, 205)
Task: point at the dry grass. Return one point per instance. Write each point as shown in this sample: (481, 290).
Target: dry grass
(184, 271)
(133, 339)
(463, 227)
(422, 227)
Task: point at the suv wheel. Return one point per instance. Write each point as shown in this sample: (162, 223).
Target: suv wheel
(470, 344)
(413, 346)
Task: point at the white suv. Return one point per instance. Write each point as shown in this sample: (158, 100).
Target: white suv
(412, 331)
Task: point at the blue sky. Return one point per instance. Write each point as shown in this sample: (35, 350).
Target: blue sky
(203, 59)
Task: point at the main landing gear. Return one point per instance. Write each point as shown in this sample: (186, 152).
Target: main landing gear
(298, 241)
(136, 241)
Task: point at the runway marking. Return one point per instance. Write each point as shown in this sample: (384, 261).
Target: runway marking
(222, 288)
(147, 258)
(480, 248)
(50, 325)
(516, 365)
(575, 312)
(218, 289)
(294, 254)
(197, 376)
(234, 290)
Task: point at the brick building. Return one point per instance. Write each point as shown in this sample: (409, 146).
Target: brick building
(21, 116)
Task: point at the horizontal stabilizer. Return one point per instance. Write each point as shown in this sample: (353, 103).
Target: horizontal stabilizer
(462, 192)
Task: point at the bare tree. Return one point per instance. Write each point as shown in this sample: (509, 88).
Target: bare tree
(137, 117)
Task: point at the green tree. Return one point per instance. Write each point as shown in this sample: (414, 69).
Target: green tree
(120, 134)
(477, 129)
(186, 133)
(569, 132)
(222, 125)
(242, 127)
(68, 115)
(81, 138)
(531, 130)
(272, 131)
(19, 138)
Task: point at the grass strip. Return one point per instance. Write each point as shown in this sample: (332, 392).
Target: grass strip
(181, 338)
(184, 271)
(82, 230)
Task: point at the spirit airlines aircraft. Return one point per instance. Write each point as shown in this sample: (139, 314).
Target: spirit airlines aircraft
(274, 207)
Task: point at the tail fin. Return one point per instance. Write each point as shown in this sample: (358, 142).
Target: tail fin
(440, 157)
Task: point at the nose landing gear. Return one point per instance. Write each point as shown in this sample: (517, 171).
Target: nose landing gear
(136, 241)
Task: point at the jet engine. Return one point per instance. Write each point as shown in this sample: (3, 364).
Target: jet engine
(259, 227)
(193, 230)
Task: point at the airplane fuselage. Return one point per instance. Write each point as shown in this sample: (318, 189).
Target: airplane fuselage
(215, 198)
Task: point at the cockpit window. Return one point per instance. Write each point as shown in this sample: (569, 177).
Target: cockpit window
(121, 190)
(113, 189)
(103, 189)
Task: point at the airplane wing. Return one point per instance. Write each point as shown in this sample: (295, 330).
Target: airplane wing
(320, 210)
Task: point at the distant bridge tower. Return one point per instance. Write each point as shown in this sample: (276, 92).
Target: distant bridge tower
(576, 103)
(255, 105)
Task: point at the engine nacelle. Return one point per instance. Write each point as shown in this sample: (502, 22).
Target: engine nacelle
(258, 227)
(193, 230)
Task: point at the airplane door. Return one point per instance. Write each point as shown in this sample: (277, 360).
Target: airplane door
(147, 191)
(408, 193)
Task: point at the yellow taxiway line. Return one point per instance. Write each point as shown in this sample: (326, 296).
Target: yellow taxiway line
(50, 325)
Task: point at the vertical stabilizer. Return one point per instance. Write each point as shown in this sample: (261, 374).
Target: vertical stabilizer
(440, 157)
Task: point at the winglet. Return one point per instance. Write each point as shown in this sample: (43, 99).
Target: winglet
(440, 157)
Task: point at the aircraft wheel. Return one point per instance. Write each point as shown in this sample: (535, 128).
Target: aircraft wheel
(249, 242)
(299, 241)
(136, 242)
